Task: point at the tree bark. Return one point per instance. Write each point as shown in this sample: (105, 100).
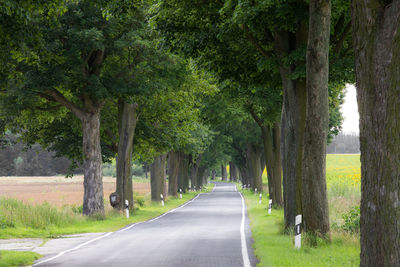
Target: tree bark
(233, 173)
(213, 174)
(254, 166)
(199, 176)
(127, 125)
(224, 175)
(314, 195)
(205, 176)
(93, 198)
(183, 172)
(157, 178)
(193, 173)
(271, 139)
(292, 124)
(174, 160)
(377, 59)
(277, 164)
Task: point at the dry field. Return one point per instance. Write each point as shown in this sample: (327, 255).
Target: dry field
(56, 190)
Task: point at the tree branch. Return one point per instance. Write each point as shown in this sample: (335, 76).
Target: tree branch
(255, 117)
(340, 41)
(60, 98)
(254, 41)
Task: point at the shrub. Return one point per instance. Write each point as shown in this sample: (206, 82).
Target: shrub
(77, 209)
(5, 223)
(139, 200)
(352, 220)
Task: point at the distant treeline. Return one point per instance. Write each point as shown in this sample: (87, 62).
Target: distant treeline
(17, 160)
(344, 143)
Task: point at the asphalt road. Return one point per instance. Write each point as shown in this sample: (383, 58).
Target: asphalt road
(211, 230)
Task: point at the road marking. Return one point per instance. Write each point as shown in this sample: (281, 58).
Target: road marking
(245, 255)
(119, 231)
(72, 249)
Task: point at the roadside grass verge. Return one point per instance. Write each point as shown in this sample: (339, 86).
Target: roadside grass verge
(273, 248)
(17, 258)
(21, 220)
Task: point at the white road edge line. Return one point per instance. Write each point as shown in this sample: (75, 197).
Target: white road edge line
(245, 254)
(119, 231)
(72, 249)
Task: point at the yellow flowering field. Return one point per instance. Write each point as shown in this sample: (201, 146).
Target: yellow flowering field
(343, 169)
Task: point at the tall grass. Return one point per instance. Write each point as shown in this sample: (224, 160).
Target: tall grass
(343, 176)
(14, 213)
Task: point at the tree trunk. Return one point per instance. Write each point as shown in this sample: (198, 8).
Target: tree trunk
(126, 128)
(232, 172)
(174, 160)
(205, 176)
(199, 176)
(157, 178)
(314, 195)
(93, 198)
(224, 175)
(213, 174)
(377, 60)
(183, 172)
(146, 170)
(243, 176)
(254, 165)
(277, 164)
(271, 138)
(292, 125)
(269, 159)
(193, 173)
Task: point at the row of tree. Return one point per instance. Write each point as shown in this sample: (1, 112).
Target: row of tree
(253, 83)
(16, 160)
(292, 47)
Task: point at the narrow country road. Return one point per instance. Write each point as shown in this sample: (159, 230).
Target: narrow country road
(211, 230)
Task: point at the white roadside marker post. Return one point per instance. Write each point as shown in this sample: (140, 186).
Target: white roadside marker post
(270, 206)
(243, 186)
(259, 201)
(180, 193)
(194, 188)
(255, 191)
(297, 234)
(162, 200)
(126, 208)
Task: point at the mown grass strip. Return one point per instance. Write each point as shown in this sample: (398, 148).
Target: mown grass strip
(17, 258)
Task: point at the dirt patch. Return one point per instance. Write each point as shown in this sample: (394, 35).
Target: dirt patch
(56, 190)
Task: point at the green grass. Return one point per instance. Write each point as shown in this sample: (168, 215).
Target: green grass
(273, 248)
(17, 258)
(343, 178)
(19, 220)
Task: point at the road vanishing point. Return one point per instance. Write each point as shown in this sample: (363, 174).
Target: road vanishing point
(210, 230)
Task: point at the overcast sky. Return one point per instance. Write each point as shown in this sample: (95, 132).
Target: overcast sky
(350, 111)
